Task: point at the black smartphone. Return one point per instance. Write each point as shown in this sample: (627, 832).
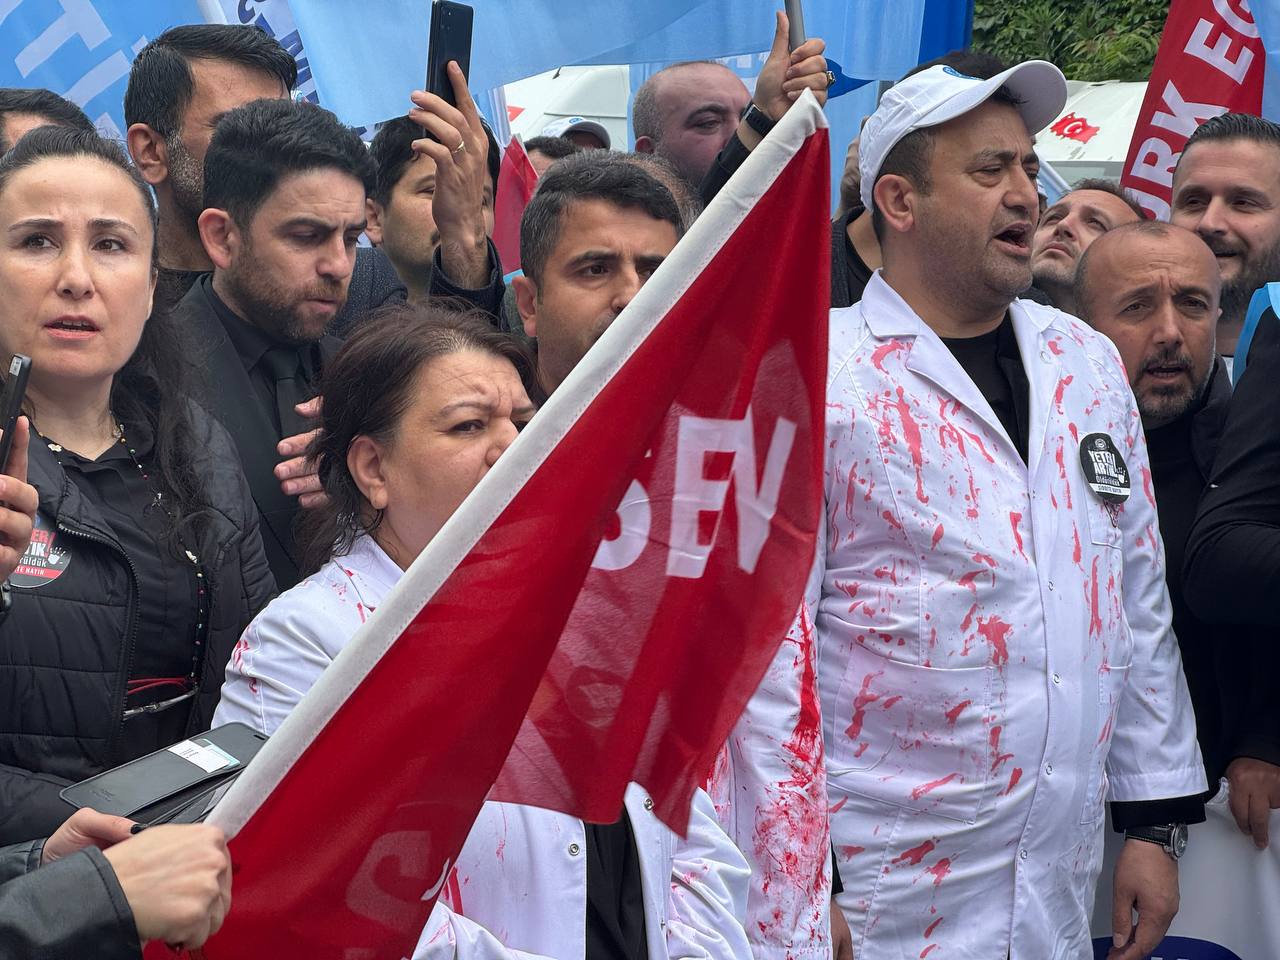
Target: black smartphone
(795, 23)
(15, 389)
(450, 40)
(145, 788)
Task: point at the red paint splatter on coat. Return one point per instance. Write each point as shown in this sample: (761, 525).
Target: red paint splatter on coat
(986, 558)
(937, 535)
(1013, 781)
(1146, 486)
(850, 850)
(1055, 347)
(915, 854)
(1062, 473)
(999, 759)
(889, 704)
(891, 520)
(940, 870)
(968, 617)
(972, 512)
(953, 714)
(996, 632)
(1076, 552)
(883, 351)
(967, 579)
(1095, 621)
(928, 931)
(911, 436)
(860, 703)
(1060, 390)
(1015, 518)
(928, 950)
(920, 791)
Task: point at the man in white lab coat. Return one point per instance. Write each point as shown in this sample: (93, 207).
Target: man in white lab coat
(994, 647)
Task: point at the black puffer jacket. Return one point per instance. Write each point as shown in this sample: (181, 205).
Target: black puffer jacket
(64, 647)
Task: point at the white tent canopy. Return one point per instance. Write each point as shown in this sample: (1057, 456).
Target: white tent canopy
(597, 93)
(1091, 137)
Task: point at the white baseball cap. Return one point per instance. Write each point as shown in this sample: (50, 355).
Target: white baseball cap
(567, 125)
(939, 94)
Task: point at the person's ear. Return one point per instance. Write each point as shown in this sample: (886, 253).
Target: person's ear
(646, 145)
(895, 197)
(367, 466)
(220, 236)
(373, 221)
(527, 303)
(150, 153)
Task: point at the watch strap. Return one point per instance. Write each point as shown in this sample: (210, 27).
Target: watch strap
(758, 120)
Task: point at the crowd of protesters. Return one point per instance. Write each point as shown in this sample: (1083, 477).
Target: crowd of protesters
(242, 426)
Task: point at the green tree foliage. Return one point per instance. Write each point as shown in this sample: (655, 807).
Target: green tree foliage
(1088, 39)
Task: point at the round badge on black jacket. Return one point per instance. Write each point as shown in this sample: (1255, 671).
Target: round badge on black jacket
(46, 559)
(1104, 468)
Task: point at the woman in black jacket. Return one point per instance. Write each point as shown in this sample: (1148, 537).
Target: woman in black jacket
(145, 562)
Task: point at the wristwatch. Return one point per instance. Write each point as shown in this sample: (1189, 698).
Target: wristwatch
(757, 120)
(1172, 837)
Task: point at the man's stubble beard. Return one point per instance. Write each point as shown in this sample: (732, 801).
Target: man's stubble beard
(266, 308)
(1237, 293)
(186, 181)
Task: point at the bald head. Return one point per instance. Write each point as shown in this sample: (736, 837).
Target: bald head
(1153, 289)
(687, 113)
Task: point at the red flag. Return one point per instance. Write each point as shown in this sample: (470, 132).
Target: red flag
(1211, 61)
(516, 182)
(600, 609)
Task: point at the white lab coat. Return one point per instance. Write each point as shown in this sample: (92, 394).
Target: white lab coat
(518, 888)
(993, 649)
(769, 786)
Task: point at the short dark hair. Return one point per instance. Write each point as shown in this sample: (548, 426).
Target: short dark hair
(646, 118)
(1142, 228)
(160, 81)
(1233, 126)
(688, 199)
(368, 387)
(392, 150)
(1103, 185)
(52, 141)
(590, 175)
(37, 101)
(554, 147)
(911, 156)
(257, 145)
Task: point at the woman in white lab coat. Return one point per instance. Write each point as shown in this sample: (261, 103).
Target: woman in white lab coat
(418, 406)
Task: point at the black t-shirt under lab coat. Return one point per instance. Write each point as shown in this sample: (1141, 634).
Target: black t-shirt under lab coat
(994, 364)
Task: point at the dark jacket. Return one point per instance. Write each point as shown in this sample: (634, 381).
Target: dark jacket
(65, 647)
(1182, 455)
(374, 283)
(222, 385)
(1232, 571)
(70, 909)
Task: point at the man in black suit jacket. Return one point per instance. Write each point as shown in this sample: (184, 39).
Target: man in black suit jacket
(284, 187)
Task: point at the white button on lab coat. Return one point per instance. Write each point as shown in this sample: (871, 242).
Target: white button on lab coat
(994, 642)
(519, 886)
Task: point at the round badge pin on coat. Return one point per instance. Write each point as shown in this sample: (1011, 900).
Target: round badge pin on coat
(1104, 468)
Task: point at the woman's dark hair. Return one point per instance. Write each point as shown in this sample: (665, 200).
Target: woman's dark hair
(367, 389)
(148, 390)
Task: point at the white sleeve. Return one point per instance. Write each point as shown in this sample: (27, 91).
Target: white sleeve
(451, 936)
(282, 654)
(707, 904)
(1154, 754)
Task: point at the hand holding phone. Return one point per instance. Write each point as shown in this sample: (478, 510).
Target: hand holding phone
(18, 499)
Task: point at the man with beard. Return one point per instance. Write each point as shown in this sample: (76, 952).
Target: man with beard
(1153, 289)
(1226, 187)
(993, 628)
(285, 186)
(1066, 230)
(180, 85)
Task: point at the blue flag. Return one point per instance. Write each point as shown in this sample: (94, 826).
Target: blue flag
(82, 49)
